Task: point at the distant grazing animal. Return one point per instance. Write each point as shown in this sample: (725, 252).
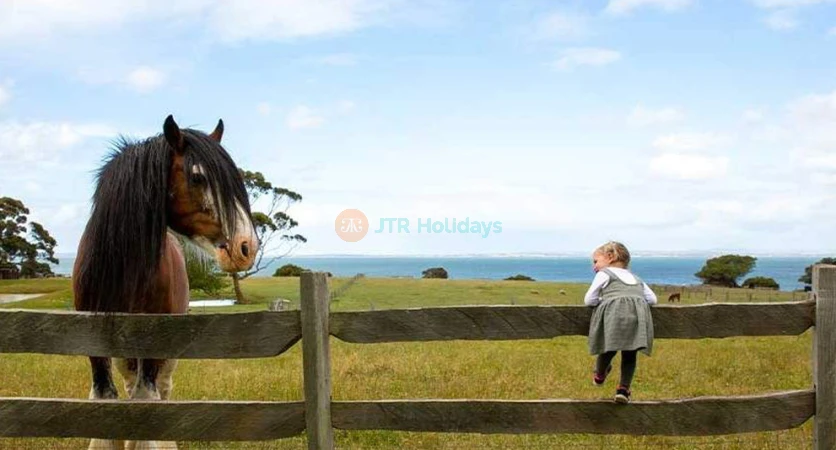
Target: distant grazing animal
(562, 292)
(129, 258)
(675, 297)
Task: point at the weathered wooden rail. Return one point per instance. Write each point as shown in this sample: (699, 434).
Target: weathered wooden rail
(266, 334)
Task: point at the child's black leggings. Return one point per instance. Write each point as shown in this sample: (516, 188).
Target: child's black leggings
(628, 365)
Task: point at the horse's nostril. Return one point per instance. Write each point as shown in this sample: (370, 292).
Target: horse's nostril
(245, 250)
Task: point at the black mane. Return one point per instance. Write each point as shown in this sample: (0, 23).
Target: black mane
(125, 236)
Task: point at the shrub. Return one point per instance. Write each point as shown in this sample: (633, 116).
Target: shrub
(760, 282)
(204, 275)
(434, 272)
(289, 270)
(520, 277)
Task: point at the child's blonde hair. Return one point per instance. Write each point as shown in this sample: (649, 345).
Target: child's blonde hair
(616, 251)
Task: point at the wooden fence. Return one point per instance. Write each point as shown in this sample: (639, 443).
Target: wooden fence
(268, 333)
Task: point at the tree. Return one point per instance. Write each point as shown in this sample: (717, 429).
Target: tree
(726, 270)
(289, 270)
(807, 278)
(435, 272)
(760, 282)
(272, 225)
(25, 249)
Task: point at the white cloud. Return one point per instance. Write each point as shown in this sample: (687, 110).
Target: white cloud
(33, 187)
(41, 18)
(223, 20)
(43, 141)
(5, 93)
(683, 142)
(626, 6)
(303, 117)
(815, 109)
(560, 25)
(278, 20)
(753, 115)
(585, 56)
(682, 166)
(145, 79)
(769, 4)
(641, 116)
(781, 20)
(263, 108)
(68, 213)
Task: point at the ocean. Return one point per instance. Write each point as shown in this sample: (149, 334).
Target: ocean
(653, 269)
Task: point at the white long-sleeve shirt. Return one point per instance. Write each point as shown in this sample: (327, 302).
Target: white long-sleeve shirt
(593, 295)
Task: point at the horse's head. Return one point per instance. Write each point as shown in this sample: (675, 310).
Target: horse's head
(207, 201)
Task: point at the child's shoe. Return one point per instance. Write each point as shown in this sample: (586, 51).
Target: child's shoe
(598, 379)
(622, 395)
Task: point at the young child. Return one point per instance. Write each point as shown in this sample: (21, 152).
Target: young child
(621, 320)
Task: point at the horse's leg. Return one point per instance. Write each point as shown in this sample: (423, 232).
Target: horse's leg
(103, 388)
(128, 370)
(148, 387)
(165, 379)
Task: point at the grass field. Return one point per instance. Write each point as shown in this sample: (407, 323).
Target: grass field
(535, 369)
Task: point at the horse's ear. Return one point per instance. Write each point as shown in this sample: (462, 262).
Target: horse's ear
(219, 131)
(173, 134)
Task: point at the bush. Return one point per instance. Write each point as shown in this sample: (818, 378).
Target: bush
(204, 275)
(434, 272)
(289, 270)
(760, 282)
(520, 277)
(807, 278)
(725, 270)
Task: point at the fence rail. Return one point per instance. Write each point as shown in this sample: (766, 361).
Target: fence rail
(184, 336)
(717, 320)
(151, 420)
(264, 334)
(705, 416)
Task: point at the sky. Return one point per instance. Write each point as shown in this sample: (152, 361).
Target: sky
(669, 125)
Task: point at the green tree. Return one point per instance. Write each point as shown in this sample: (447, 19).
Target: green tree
(203, 272)
(273, 225)
(726, 270)
(24, 247)
(807, 278)
(289, 270)
(760, 282)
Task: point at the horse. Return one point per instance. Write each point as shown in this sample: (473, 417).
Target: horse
(179, 184)
(675, 297)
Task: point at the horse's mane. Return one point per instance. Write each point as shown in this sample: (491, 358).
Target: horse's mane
(125, 236)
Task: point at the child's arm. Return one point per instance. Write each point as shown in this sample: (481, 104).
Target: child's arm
(649, 295)
(593, 295)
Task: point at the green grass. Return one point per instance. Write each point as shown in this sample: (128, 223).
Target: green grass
(535, 369)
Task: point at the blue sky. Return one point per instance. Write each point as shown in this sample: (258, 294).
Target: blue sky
(671, 125)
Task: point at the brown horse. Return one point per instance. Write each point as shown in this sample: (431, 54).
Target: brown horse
(675, 297)
(181, 182)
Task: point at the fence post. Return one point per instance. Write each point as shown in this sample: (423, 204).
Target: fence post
(824, 357)
(316, 359)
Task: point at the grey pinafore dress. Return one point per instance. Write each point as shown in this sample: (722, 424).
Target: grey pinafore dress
(622, 321)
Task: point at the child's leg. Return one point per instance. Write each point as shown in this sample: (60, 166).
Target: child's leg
(628, 367)
(603, 361)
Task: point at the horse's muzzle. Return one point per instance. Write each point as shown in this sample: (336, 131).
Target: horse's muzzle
(238, 254)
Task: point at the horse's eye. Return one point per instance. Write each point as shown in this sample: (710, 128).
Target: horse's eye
(198, 178)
